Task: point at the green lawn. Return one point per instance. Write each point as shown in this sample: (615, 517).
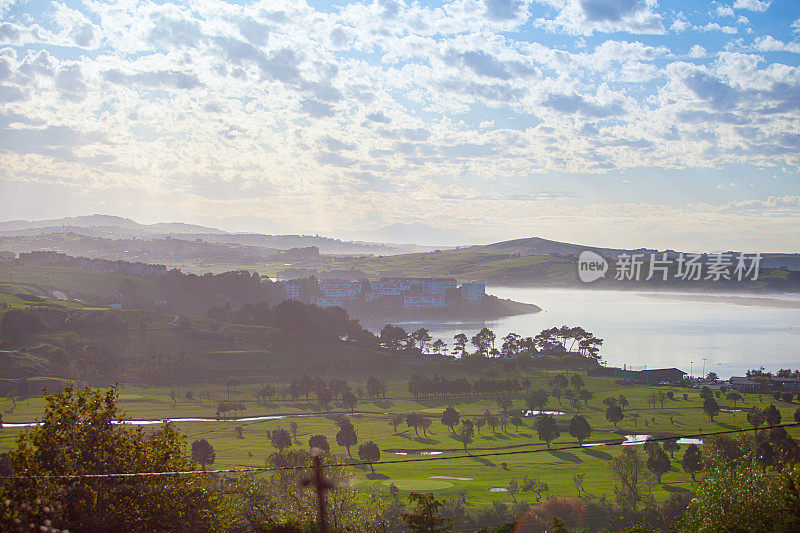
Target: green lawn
(77, 281)
(555, 467)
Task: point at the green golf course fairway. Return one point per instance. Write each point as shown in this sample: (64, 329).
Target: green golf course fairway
(520, 453)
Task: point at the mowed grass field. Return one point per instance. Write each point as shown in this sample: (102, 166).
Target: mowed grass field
(556, 467)
(78, 281)
(461, 264)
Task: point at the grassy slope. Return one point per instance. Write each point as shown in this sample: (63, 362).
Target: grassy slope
(554, 467)
(79, 281)
(469, 264)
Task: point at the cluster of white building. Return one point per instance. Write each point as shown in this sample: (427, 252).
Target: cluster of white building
(411, 293)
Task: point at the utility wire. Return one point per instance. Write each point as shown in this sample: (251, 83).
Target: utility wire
(391, 461)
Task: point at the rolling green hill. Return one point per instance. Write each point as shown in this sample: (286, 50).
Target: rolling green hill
(529, 262)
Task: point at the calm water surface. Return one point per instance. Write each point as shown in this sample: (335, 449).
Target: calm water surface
(641, 330)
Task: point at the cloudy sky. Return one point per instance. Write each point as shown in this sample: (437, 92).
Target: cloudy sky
(612, 122)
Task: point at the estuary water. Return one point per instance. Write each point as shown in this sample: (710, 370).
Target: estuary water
(732, 332)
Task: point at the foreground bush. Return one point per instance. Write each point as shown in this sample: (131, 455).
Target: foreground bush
(80, 434)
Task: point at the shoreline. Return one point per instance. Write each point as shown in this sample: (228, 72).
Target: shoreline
(492, 309)
(746, 301)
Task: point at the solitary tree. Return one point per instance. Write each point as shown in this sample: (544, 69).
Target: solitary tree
(513, 489)
(203, 452)
(479, 422)
(280, 438)
(735, 397)
(579, 428)
(414, 420)
(585, 396)
(349, 399)
(346, 436)
(396, 420)
(536, 486)
(325, 397)
(755, 417)
(369, 453)
(425, 424)
(711, 408)
(504, 403)
(772, 416)
(559, 384)
(672, 446)
(547, 429)
(537, 400)
(576, 404)
(660, 396)
(450, 417)
(614, 414)
(439, 346)
(467, 432)
(691, 461)
(319, 441)
(460, 344)
(608, 401)
(503, 421)
(657, 462)
(631, 475)
(491, 419)
(797, 415)
(623, 402)
(765, 455)
(425, 517)
(421, 336)
(576, 381)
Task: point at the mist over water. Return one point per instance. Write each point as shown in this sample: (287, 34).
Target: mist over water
(640, 329)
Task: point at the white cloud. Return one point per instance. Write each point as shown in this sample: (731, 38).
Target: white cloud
(5, 7)
(713, 26)
(345, 114)
(697, 52)
(752, 5)
(724, 10)
(768, 43)
(681, 24)
(585, 17)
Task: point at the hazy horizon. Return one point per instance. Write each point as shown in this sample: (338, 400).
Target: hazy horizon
(619, 124)
(418, 234)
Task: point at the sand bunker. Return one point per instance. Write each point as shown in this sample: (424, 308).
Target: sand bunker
(418, 453)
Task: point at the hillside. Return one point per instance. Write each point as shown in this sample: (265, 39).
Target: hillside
(119, 228)
(102, 221)
(536, 261)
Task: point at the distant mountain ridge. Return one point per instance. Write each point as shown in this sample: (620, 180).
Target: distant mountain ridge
(121, 228)
(539, 246)
(416, 233)
(104, 221)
